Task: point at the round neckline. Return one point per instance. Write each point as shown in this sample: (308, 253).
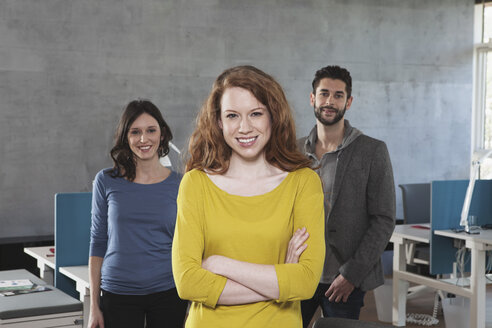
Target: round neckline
(248, 197)
(151, 184)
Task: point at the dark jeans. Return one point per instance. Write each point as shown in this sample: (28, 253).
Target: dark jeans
(350, 309)
(163, 309)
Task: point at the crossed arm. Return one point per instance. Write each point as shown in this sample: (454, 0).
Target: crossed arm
(250, 282)
(227, 281)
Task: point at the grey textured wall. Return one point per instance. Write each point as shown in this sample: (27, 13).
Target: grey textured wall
(67, 68)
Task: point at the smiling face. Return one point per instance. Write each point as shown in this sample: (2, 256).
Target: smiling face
(144, 137)
(245, 123)
(330, 101)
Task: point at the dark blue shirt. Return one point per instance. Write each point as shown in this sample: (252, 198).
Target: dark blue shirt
(132, 229)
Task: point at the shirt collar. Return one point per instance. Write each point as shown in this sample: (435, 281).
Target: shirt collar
(310, 144)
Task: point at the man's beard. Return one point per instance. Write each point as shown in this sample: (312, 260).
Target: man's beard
(338, 116)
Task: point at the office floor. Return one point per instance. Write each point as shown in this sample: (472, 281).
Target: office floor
(423, 304)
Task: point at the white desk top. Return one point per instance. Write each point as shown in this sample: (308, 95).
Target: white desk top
(409, 231)
(485, 236)
(80, 274)
(42, 254)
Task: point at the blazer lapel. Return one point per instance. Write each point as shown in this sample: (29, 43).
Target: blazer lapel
(342, 164)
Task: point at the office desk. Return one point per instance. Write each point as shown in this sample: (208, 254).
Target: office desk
(80, 274)
(410, 235)
(478, 244)
(47, 309)
(404, 239)
(45, 261)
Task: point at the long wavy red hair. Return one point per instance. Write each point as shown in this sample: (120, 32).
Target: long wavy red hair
(207, 147)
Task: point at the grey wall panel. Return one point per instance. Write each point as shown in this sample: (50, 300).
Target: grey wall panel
(67, 68)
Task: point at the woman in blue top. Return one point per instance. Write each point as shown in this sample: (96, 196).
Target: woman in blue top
(133, 219)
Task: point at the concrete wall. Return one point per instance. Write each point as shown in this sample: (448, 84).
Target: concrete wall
(67, 69)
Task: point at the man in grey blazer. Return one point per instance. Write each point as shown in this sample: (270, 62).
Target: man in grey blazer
(359, 199)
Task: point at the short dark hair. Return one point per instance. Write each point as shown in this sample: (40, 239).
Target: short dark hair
(122, 155)
(335, 73)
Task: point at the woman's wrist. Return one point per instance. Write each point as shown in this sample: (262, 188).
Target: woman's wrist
(217, 264)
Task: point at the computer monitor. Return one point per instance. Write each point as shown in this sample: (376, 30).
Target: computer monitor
(469, 191)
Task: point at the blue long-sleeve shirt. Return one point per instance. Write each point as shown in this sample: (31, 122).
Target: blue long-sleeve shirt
(132, 229)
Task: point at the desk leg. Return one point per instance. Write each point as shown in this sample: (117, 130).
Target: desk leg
(47, 275)
(87, 300)
(478, 286)
(400, 287)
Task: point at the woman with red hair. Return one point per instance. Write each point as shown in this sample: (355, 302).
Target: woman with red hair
(246, 207)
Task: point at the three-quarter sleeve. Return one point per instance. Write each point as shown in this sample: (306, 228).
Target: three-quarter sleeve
(299, 281)
(192, 281)
(99, 217)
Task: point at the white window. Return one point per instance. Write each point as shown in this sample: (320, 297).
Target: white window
(482, 88)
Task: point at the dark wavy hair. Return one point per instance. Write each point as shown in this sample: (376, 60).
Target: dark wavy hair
(334, 73)
(124, 164)
(208, 149)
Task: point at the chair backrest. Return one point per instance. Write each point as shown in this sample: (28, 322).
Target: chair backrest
(416, 199)
(72, 235)
(347, 323)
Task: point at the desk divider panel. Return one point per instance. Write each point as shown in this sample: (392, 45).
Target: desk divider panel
(447, 198)
(72, 235)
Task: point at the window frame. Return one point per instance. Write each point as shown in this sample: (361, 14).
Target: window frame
(480, 52)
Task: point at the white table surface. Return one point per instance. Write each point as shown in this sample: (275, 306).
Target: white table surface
(42, 254)
(45, 261)
(484, 236)
(415, 232)
(80, 274)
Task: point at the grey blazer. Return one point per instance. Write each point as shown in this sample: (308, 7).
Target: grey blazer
(362, 217)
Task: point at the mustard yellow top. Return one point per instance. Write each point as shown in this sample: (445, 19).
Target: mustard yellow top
(254, 229)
